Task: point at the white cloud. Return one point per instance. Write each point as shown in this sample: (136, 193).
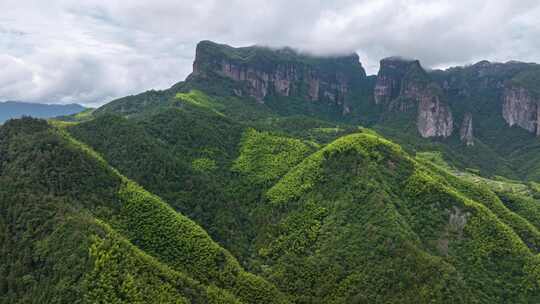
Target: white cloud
(91, 51)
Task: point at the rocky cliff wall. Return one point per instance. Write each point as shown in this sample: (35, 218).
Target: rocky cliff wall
(403, 85)
(466, 130)
(522, 109)
(264, 72)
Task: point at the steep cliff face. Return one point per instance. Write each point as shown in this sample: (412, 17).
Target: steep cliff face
(337, 88)
(403, 85)
(283, 72)
(466, 130)
(392, 74)
(434, 117)
(522, 109)
(493, 90)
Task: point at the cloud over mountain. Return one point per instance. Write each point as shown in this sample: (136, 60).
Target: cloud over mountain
(93, 51)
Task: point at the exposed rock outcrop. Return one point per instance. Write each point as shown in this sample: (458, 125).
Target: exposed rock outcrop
(392, 78)
(403, 85)
(283, 72)
(522, 109)
(466, 130)
(454, 229)
(434, 117)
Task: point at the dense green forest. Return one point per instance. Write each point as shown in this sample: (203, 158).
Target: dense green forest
(197, 194)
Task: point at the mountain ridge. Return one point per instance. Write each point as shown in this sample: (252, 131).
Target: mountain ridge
(16, 109)
(480, 104)
(265, 73)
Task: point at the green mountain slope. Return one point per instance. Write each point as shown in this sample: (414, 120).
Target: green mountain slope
(270, 176)
(185, 153)
(253, 83)
(355, 220)
(71, 209)
(361, 221)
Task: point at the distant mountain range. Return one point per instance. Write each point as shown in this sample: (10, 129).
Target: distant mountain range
(17, 109)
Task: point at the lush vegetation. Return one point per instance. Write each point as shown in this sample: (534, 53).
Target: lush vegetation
(197, 195)
(296, 200)
(265, 157)
(393, 222)
(75, 230)
(529, 80)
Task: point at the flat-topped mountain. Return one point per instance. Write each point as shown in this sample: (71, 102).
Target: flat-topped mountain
(281, 72)
(290, 82)
(284, 80)
(478, 106)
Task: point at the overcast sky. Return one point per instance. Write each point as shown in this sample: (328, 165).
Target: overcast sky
(90, 52)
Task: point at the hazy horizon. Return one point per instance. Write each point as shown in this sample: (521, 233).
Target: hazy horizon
(90, 52)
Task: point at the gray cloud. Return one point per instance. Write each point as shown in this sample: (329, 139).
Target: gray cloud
(92, 51)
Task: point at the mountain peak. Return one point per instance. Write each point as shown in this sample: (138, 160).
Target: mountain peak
(400, 59)
(399, 65)
(260, 72)
(483, 63)
(393, 72)
(263, 56)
